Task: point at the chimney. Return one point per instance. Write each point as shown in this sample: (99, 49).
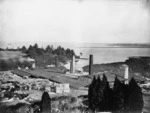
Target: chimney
(126, 74)
(56, 61)
(72, 64)
(33, 65)
(90, 65)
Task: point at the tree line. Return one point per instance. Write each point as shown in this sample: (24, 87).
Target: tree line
(42, 56)
(48, 54)
(35, 50)
(122, 98)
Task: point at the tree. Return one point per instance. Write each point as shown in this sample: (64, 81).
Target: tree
(91, 95)
(36, 46)
(105, 106)
(49, 49)
(135, 99)
(118, 99)
(126, 95)
(40, 51)
(32, 51)
(24, 49)
(46, 103)
(68, 53)
(100, 94)
(18, 49)
(72, 53)
(95, 94)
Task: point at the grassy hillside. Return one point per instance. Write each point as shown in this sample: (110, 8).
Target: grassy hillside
(12, 59)
(11, 54)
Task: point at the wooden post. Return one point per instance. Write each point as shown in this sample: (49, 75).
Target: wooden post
(90, 65)
(72, 64)
(56, 61)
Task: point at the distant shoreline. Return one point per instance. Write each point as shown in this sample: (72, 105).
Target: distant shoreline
(119, 45)
(114, 47)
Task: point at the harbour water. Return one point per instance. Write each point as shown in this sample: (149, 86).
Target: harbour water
(109, 55)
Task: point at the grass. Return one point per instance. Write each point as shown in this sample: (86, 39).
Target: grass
(11, 54)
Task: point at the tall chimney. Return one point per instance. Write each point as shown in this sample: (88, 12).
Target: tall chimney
(91, 65)
(126, 74)
(56, 61)
(72, 64)
(33, 65)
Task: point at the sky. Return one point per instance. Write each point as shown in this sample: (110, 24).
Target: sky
(76, 21)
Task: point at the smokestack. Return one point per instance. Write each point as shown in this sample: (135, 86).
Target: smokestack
(91, 65)
(72, 64)
(56, 61)
(33, 65)
(126, 74)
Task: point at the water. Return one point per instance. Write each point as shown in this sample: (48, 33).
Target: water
(109, 55)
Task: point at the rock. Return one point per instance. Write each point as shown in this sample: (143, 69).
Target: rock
(6, 86)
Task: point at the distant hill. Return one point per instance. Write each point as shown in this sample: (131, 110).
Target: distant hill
(127, 45)
(114, 45)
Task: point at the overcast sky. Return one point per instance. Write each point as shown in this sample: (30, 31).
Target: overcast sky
(100, 21)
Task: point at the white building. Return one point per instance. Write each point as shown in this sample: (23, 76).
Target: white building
(61, 88)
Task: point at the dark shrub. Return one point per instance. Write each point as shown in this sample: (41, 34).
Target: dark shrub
(46, 103)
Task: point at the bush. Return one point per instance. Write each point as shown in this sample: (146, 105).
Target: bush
(73, 99)
(46, 103)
